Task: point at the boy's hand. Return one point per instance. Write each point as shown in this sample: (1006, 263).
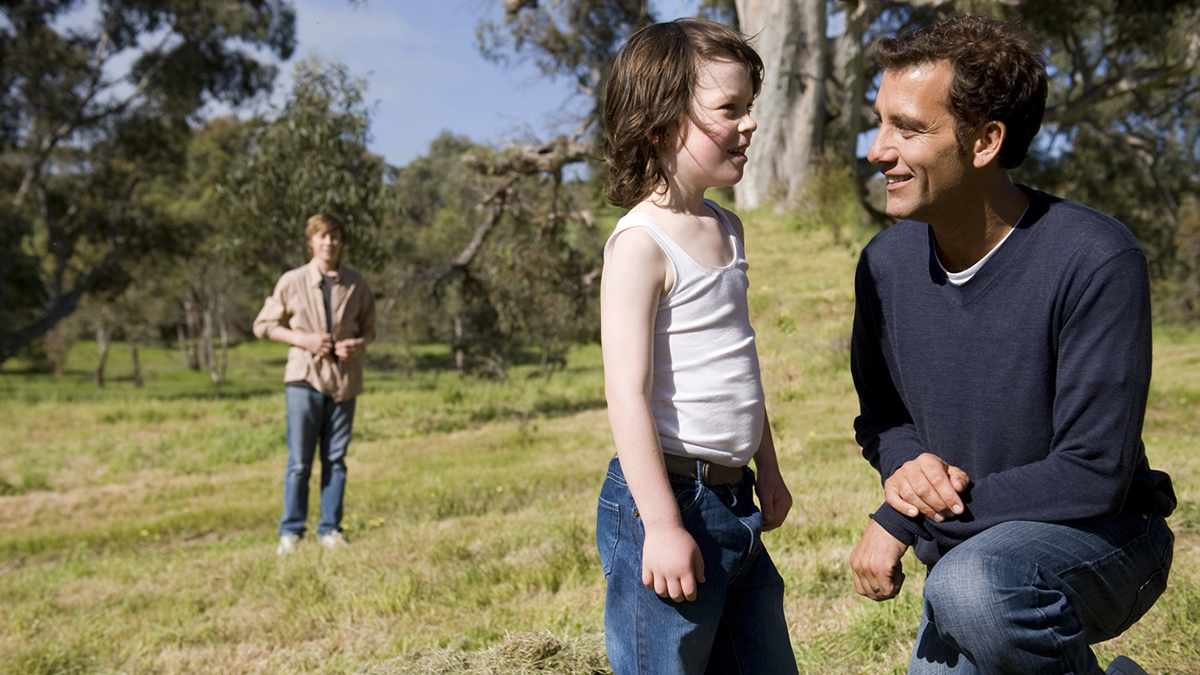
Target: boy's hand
(671, 564)
(774, 499)
(349, 348)
(317, 344)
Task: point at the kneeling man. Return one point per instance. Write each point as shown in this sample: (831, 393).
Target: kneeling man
(1001, 353)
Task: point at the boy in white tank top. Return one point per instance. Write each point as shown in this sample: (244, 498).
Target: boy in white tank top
(690, 587)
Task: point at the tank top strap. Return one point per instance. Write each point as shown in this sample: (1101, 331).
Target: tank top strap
(739, 252)
(678, 257)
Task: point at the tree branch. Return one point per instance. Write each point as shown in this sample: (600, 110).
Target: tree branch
(1146, 78)
(497, 198)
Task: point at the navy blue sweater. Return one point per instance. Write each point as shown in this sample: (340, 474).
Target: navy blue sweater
(1032, 377)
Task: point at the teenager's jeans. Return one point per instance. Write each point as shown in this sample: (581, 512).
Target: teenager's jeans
(312, 418)
(736, 624)
(1029, 598)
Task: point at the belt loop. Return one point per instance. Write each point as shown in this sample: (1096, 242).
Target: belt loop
(702, 471)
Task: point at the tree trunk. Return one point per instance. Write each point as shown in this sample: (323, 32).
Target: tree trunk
(850, 76)
(219, 365)
(790, 111)
(191, 349)
(135, 361)
(216, 369)
(103, 341)
(459, 353)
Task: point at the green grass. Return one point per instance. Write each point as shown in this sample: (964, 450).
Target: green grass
(137, 526)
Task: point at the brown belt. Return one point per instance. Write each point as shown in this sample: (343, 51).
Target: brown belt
(711, 474)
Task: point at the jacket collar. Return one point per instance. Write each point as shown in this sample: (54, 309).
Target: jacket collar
(314, 274)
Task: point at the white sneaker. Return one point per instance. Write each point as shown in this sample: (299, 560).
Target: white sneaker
(332, 540)
(287, 543)
(1123, 665)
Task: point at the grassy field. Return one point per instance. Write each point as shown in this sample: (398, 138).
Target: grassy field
(137, 527)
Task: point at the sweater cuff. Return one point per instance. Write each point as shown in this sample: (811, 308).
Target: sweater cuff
(906, 530)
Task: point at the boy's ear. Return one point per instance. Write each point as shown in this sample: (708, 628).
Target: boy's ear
(988, 139)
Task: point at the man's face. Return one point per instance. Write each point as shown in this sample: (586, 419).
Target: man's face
(327, 247)
(916, 148)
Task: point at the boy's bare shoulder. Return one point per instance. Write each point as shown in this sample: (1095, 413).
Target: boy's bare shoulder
(734, 221)
(634, 245)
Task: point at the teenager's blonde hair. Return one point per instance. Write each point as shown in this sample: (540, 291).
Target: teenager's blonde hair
(649, 94)
(323, 223)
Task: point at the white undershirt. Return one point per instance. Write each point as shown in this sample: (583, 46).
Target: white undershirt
(960, 278)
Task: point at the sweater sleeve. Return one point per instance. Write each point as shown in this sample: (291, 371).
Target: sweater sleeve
(1102, 379)
(884, 428)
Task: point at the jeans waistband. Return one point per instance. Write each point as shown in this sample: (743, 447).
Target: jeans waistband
(709, 473)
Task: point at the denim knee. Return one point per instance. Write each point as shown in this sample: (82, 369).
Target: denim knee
(977, 591)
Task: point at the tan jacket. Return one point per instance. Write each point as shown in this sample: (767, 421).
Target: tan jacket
(298, 304)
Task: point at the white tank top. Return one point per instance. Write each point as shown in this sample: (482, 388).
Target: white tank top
(707, 395)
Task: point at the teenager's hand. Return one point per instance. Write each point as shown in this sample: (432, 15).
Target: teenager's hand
(671, 564)
(317, 344)
(774, 499)
(350, 348)
(878, 573)
(928, 486)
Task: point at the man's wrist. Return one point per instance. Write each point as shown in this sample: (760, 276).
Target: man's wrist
(906, 530)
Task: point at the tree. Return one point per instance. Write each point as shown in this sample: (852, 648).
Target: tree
(312, 158)
(88, 116)
(791, 110)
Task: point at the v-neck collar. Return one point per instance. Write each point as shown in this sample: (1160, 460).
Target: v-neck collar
(1004, 257)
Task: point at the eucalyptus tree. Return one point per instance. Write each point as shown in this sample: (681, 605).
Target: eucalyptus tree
(309, 158)
(94, 103)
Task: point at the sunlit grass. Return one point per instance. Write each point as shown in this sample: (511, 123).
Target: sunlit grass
(137, 526)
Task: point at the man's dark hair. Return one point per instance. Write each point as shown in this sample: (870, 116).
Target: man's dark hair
(999, 75)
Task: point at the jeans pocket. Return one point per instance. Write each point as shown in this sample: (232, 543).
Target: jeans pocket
(608, 531)
(1161, 541)
(687, 493)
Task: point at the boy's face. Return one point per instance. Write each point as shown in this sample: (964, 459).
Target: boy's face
(713, 152)
(916, 147)
(327, 247)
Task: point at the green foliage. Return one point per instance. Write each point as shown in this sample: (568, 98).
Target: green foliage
(531, 281)
(145, 542)
(310, 159)
(576, 39)
(82, 149)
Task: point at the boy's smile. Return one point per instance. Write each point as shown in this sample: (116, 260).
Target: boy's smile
(712, 141)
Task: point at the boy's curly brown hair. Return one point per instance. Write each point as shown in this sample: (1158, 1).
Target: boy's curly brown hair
(649, 94)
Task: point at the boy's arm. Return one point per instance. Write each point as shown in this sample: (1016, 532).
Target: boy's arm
(634, 278)
(269, 324)
(773, 496)
(774, 499)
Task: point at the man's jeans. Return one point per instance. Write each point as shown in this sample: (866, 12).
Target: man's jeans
(736, 624)
(313, 417)
(1029, 598)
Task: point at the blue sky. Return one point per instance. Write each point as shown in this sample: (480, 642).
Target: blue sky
(425, 73)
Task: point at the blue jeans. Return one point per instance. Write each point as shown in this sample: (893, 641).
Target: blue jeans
(313, 417)
(736, 624)
(1029, 598)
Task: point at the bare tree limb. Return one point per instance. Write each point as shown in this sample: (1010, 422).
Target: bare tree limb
(532, 160)
(1070, 111)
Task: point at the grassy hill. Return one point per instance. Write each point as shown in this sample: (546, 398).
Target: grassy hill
(137, 527)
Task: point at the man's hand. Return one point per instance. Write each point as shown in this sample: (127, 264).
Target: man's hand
(927, 486)
(671, 564)
(350, 348)
(774, 499)
(875, 562)
(317, 344)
